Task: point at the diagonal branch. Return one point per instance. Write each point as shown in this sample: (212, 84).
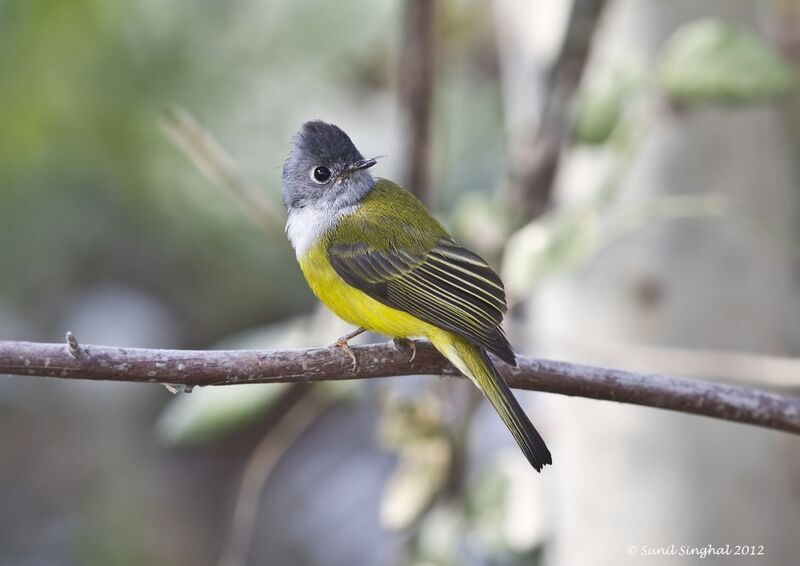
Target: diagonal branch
(538, 159)
(226, 367)
(217, 165)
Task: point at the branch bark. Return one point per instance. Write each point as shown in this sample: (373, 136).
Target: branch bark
(227, 367)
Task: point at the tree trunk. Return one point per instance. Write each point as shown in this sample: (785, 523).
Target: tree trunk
(627, 479)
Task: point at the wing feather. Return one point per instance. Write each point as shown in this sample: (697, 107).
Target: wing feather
(447, 286)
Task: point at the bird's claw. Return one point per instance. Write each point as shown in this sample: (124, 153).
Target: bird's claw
(404, 345)
(342, 344)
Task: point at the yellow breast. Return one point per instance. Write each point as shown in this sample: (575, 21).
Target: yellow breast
(356, 307)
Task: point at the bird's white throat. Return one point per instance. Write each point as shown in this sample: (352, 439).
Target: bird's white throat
(305, 226)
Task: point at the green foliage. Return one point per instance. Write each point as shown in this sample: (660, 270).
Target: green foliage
(78, 90)
(548, 246)
(600, 106)
(210, 413)
(708, 61)
(568, 238)
(83, 85)
(83, 165)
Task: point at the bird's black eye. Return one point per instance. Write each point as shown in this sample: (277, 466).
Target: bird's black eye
(321, 174)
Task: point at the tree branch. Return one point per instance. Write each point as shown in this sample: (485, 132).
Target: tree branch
(417, 70)
(211, 159)
(226, 367)
(538, 158)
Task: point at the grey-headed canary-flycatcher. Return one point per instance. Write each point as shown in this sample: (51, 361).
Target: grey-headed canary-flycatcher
(378, 259)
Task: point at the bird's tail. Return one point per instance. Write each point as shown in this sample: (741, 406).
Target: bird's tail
(474, 362)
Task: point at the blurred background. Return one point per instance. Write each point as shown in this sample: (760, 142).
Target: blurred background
(627, 165)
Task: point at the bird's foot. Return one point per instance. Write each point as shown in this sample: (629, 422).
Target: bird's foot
(406, 345)
(342, 343)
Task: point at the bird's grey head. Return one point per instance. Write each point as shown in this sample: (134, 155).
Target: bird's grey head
(325, 170)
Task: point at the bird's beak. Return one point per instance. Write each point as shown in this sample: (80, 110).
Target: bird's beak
(359, 165)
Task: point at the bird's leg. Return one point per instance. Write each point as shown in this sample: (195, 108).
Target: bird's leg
(406, 345)
(342, 342)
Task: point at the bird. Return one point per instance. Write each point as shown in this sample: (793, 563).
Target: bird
(376, 257)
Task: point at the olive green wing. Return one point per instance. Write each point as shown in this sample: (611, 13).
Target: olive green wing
(440, 283)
